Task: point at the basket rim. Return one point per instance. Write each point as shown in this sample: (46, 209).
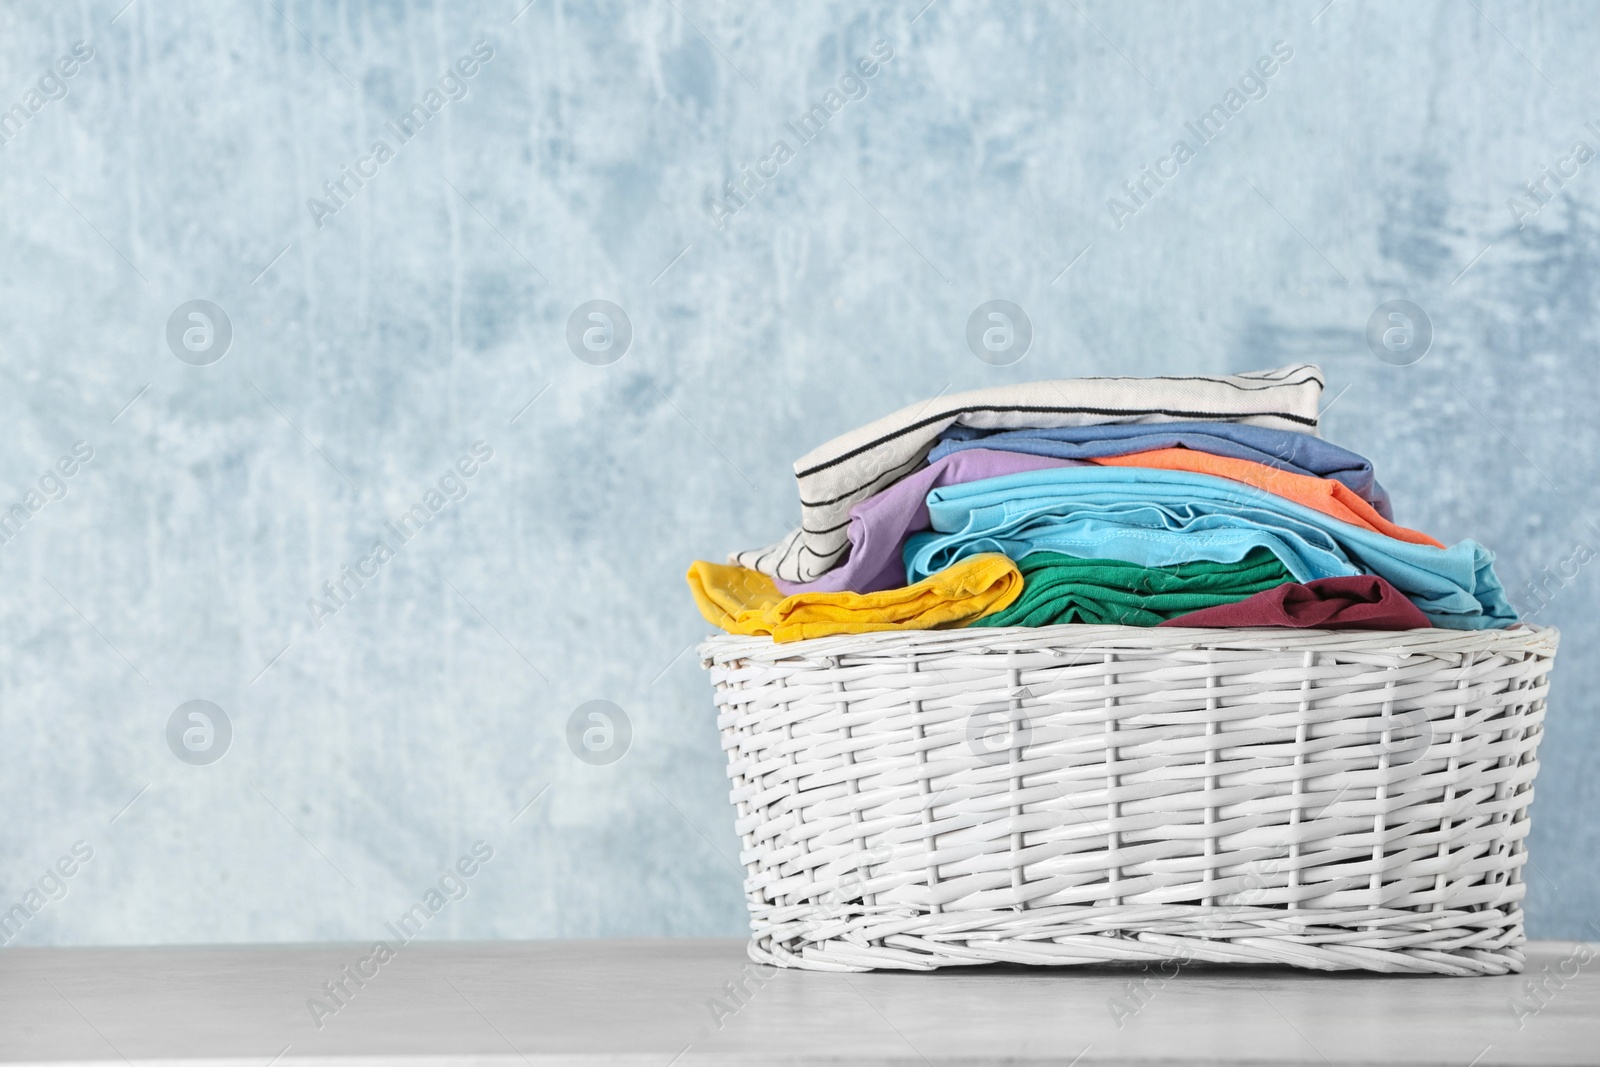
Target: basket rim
(1062, 638)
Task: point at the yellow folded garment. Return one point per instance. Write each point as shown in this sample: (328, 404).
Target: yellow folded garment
(743, 601)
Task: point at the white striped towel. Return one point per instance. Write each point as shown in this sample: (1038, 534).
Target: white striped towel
(853, 466)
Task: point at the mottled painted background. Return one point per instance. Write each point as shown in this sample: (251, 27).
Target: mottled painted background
(430, 310)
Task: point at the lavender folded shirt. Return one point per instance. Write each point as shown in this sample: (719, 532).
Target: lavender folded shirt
(880, 524)
(1286, 450)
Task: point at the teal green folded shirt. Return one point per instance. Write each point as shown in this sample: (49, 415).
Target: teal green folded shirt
(1160, 518)
(1113, 592)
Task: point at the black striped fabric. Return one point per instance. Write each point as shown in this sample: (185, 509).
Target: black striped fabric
(855, 465)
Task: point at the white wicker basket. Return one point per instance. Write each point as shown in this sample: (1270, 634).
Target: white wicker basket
(1085, 794)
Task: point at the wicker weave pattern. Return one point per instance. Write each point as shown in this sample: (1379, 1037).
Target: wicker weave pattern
(1083, 794)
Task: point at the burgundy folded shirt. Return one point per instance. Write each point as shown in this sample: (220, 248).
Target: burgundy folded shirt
(1353, 602)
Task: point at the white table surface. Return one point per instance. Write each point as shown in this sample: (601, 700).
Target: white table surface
(646, 1002)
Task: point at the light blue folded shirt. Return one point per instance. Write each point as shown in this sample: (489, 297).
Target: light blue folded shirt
(1159, 518)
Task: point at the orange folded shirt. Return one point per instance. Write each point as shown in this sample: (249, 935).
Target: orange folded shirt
(1332, 498)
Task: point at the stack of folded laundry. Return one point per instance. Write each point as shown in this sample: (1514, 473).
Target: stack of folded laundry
(1183, 501)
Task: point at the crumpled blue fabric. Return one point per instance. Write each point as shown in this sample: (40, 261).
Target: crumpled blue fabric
(1158, 518)
(1286, 450)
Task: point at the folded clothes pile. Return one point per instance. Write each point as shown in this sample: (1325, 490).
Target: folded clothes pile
(1194, 501)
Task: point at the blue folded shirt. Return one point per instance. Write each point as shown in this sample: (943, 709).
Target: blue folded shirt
(1286, 450)
(1159, 518)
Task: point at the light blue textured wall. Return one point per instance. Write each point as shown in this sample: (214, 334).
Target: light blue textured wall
(371, 352)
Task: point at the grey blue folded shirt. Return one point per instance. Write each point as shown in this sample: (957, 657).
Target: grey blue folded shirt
(1286, 450)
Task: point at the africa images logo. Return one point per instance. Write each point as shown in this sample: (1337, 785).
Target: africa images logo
(452, 85)
(52, 85)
